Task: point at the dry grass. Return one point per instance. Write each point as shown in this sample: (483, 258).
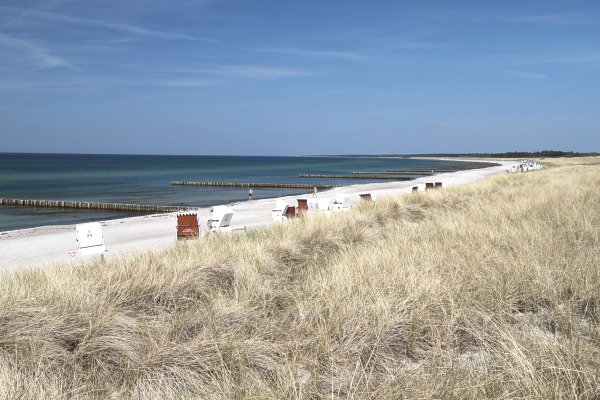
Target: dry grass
(490, 290)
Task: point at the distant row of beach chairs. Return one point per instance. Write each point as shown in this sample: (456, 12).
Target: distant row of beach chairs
(188, 226)
(90, 239)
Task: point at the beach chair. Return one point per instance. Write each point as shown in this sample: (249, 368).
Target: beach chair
(187, 225)
(429, 186)
(323, 204)
(302, 207)
(317, 205)
(438, 185)
(291, 212)
(279, 213)
(341, 203)
(367, 196)
(313, 206)
(90, 239)
(221, 218)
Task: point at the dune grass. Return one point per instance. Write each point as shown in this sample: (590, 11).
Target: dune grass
(488, 290)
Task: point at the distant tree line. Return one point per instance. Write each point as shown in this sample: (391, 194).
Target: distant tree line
(512, 154)
(519, 154)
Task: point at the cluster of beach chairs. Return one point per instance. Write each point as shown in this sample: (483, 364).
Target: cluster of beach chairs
(90, 239)
(526, 165)
(188, 226)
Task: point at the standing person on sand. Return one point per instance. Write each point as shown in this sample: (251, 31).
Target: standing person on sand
(315, 191)
(250, 193)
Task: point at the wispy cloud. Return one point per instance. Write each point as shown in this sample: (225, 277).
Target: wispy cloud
(556, 19)
(128, 28)
(520, 65)
(258, 72)
(343, 55)
(243, 71)
(525, 75)
(571, 58)
(190, 83)
(41, 56)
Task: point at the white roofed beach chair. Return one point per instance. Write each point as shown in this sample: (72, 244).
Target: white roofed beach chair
(316, 205)
(221, 219)
(90, 239)
(280, 210)
(341, 203)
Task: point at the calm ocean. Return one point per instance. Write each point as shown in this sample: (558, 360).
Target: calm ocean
(145, 179)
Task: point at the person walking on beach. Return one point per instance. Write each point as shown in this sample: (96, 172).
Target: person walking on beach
(250, 193)
(315, 191)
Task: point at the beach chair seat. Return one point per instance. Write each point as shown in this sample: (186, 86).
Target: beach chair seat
(302, 207)
(313, 206)
(317, 205)
(279, 213)
(341, 203)
(221, 219)
(90, 239)
(323, 204)
(291, 212)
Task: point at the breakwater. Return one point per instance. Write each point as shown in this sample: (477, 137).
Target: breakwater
(392, 172)
(87, 205)
(385, 177)
(423, 171)
(459, 166)
(254, 185)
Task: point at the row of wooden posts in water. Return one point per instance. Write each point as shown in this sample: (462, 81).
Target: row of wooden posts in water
(87, 205)
(356, 176)
(254, 185)
(394, 175)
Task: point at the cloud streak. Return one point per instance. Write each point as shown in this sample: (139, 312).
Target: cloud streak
(555, 19)
(190, 83)
(525, 75)
(257, 72)
(245, 72)
(42, 57)
(343, 55)
(127, 28)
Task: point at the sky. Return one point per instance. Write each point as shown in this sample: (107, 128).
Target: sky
(239, 77)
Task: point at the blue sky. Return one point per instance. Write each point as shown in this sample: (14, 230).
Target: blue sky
(298, 77)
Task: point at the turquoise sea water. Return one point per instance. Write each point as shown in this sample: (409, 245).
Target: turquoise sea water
(145, 179)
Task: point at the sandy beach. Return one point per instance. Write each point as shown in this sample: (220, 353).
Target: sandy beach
(51, 245)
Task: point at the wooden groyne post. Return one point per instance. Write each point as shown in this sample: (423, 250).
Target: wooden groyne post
(86, 205)
(383, 177)
(254, 185)
(392, 172)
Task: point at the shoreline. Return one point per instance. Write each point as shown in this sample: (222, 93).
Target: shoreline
(50, 245)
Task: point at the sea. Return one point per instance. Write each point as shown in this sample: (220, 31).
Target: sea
(146, 179)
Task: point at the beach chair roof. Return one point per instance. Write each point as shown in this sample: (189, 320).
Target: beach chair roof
(281, 205)
(223, 215)
(342, 199)
(318, 204)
